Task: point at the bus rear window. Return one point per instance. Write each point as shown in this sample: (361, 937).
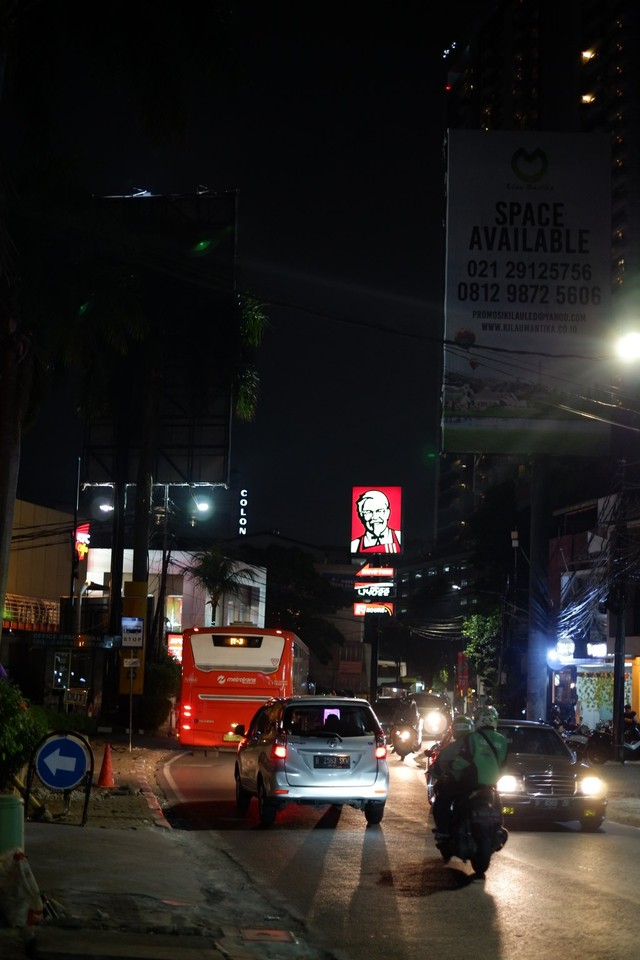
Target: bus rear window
(259, 654)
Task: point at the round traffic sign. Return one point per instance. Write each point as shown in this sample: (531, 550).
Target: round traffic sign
(62, 761)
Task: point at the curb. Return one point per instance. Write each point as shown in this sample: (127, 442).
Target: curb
(147, 792)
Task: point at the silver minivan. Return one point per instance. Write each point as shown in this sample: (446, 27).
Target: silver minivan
(321, 750)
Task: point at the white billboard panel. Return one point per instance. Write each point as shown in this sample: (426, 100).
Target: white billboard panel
(527, 296)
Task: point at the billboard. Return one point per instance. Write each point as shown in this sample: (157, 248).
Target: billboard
(527, 292)
(376, 520)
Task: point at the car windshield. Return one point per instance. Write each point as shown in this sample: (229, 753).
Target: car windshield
(386, 709)
(534, 740)
(430, 701)
(395, 710)
(319, 720)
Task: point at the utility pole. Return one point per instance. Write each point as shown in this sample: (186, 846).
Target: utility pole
(537, 673)
(618, 608)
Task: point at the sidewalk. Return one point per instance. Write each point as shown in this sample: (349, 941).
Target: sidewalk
(128, 886)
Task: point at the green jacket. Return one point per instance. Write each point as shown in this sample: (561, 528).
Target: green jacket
(485, 751)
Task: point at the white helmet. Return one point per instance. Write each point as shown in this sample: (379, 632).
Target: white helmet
(462, 726)
(486, 716)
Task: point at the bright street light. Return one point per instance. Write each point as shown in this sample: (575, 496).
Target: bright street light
(628, 347)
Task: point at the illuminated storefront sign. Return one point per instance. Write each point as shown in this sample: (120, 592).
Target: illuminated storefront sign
(363, 609)
(376, 520)
(174, 646)
(82, 541)
(242, 516)
(381, 589)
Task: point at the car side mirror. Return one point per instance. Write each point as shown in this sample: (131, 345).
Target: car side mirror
(239, 730)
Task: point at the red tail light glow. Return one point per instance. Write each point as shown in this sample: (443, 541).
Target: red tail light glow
(280, 747)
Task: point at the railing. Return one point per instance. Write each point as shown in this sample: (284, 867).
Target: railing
(30, 613)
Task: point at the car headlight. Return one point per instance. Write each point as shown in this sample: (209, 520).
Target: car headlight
(592, 786)
(510, 784)
(435, 722)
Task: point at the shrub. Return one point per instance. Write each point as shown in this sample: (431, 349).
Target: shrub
(20, 730)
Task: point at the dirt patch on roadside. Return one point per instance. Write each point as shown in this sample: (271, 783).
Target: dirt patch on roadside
(124, 793)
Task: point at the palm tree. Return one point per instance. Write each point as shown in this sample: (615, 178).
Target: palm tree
(218, 575)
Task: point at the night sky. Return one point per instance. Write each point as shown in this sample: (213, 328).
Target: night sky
(333, 137)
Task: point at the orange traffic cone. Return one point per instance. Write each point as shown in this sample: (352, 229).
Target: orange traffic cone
(106, 770)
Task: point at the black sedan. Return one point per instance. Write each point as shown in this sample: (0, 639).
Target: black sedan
(542, 781)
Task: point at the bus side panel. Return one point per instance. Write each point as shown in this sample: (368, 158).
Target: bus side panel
(300, 668)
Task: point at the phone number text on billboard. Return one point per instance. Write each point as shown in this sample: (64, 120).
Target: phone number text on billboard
(529, 270)
(540, 293)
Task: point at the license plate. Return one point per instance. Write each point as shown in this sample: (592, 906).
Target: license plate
(550, 803)
(333, 762)
(231, 737)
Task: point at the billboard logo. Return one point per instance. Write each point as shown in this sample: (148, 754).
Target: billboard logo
(529, 167)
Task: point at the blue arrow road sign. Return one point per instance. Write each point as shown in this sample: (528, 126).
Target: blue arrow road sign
(62, 762)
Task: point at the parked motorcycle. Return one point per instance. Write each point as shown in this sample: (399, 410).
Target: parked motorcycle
(575, 735)
(404, 739)
(476, 830)
(578, 740)
(600, 746)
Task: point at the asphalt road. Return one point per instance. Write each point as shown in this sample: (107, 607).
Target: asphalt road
(373, 893)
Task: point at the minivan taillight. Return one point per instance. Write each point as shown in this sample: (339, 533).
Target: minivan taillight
(380, 751)
(279, 751)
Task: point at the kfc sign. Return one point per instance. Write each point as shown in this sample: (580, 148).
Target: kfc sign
(376, 520)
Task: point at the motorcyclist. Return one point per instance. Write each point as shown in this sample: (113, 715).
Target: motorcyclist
(407, 712)
(474, 758)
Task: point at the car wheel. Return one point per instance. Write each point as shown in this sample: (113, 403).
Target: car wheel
(591, 824)
(243, 797)
(266, 808)
(374, 811)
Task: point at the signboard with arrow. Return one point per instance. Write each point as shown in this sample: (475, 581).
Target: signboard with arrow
(62, 761)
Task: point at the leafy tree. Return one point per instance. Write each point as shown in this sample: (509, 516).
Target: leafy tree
(162, 679)
(218, 575)
(484, 635)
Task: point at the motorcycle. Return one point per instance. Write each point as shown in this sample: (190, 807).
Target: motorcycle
(404, 739)
(575, 735)
(578, 740)
(476, 830)
(600, 746)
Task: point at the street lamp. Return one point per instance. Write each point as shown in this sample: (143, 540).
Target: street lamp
(627, 347)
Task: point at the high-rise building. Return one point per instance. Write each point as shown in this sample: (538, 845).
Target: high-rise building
(558, 67)
(574, 67)
(570, 67)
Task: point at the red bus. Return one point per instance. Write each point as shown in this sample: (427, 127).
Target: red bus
(227, 672)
